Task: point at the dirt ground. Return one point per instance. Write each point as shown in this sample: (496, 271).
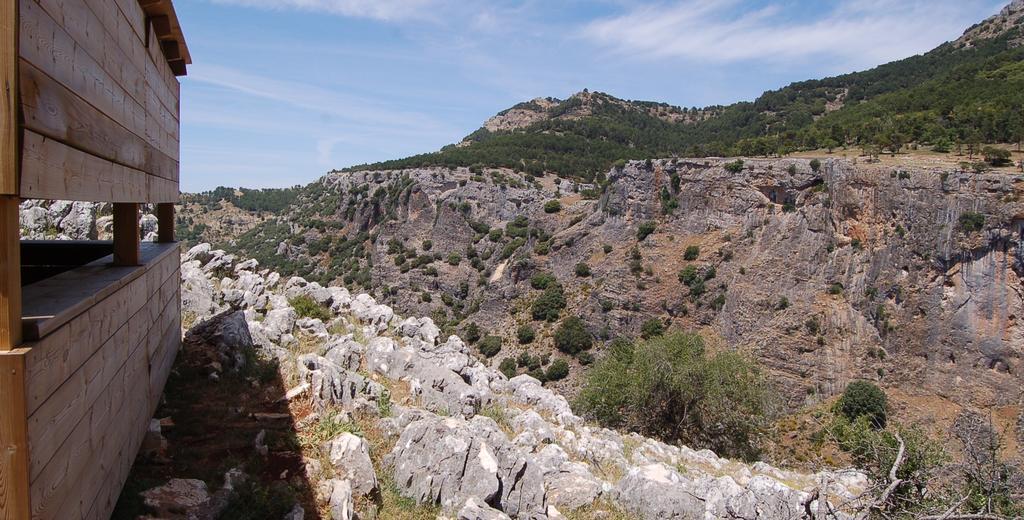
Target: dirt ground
(210, 427)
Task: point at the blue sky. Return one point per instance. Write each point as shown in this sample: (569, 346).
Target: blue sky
(281, 91)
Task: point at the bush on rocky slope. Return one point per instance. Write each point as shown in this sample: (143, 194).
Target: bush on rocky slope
(671, 388)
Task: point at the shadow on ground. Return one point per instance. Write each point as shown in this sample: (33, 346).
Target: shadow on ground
(211, 425)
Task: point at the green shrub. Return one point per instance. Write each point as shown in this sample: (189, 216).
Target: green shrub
(508, 367)
(428, 245)
(835, 288)
(542, 281)
(669, 387)
(645, 229)
(525, 334)
(454, 259)
(875, 450)
(552, 206)
(815, 165)
(735, 166)
(557, 371)
(688, 275)
(490, 346)
(307, 307)
(996, 156)
(607, 248)
(572, 337)
(471, 333)
(585, 358)
(864, 399)
(538, 374)
(971, 221)
(691, 253)
(582, 270)
(652, 328)
(548, 306)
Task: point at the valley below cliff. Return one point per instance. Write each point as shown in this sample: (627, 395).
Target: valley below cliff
(908, 276)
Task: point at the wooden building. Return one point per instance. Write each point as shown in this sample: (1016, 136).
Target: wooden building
(88, 330)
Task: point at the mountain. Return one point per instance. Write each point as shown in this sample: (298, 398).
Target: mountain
(962, 93)
(562, 225)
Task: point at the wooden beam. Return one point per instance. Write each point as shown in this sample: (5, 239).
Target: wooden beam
(10, 273)
(165, 222)
(126, 233)
(161, 26)
(14, 480)
(9, 94)
(170, 50)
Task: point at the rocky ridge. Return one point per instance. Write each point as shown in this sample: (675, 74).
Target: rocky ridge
(906, 274)
(464, 436)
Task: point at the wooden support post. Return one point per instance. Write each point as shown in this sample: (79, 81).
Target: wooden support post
(14, 474)
(126, 233)
(10, 274)
(165, 222)
(9, 98)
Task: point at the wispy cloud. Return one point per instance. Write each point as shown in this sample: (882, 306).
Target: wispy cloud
(854, 33)
(386, 10)
(325, 103)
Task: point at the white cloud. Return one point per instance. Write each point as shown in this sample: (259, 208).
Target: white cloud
(855, 33)
(386, 10)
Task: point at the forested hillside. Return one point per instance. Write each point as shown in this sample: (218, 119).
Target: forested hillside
(958, 95)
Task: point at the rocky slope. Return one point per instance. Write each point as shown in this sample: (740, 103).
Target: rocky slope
(458, 434)
(907, 275)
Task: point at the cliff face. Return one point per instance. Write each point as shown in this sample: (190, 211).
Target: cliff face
(908, 276)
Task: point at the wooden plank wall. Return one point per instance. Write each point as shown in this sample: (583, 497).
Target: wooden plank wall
(101, 109)
(91, 388)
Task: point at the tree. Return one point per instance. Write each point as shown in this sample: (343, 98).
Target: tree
(542, 281)
(508, 367)
(525, 334)
(558, 370)
(548, 306)
(864, 399)
(490, 346)
(572, 337)
(669, 387)
(996, 156)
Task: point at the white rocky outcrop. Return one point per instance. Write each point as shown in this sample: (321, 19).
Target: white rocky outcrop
(536, 459)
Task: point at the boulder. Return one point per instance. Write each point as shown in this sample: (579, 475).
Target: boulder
(657, 492)
(341, 501)
(476, 509)
(228, 332)
(332, 384)
(572, 486)
(176, 497)
(448, 461)
(350, 456)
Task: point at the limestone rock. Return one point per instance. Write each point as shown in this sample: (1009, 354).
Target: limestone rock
(350, 456)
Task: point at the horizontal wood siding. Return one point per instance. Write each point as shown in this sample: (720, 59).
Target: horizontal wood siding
(101, 109)
(90, 389)
(53, 170)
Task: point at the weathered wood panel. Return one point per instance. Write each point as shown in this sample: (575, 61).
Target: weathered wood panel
(9, 98)
(85, 469)
(14, 448)
(60, 353)
(70, 43)
(52, 110)
(53, 170)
